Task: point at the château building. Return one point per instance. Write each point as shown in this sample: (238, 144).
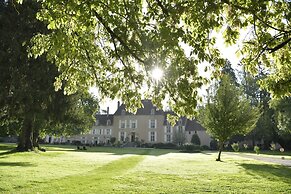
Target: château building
(148, 125)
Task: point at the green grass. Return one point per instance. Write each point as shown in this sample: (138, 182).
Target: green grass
(62, 169)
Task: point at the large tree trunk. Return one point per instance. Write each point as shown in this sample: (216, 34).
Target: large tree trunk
(220, 148)
(35, 138)
(25, 142)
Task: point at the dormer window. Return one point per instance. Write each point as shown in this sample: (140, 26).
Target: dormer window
(153, 111)
(97, 122)
(108, 122)
(123, 112)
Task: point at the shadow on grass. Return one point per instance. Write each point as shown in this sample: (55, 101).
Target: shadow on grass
(8, 152)
(269, 171)
(15, 164)
(116, 151)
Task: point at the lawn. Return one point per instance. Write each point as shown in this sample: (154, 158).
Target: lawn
(128, 170)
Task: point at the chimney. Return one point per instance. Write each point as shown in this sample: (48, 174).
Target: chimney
(118, 104)
(107, 111)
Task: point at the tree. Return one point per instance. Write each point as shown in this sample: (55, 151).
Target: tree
(265, 129)
(119, 42)
(228, 113)
(283, 114)
(195, 139)
(29, 105)
(179, 137)
(228, 70)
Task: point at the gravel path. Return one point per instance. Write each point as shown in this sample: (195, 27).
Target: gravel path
(284, 162)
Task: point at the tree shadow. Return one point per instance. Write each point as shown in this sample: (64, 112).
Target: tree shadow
(8, 152)
(16, 164)
(119, 151)
(269, 171)
(209, 152)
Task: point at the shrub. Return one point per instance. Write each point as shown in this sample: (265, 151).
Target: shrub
(213, 145)
(257, 149)
(165, 145)
(205, 147)
(235, 147)
(146, 145)
(246, 146)
(195, 139)
(117, 144)
(190, 148)
(112, 140)
(273, 146)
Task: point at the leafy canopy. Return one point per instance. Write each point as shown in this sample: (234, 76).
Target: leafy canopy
(115, 44)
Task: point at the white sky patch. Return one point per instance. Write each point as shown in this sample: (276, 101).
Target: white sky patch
(157, 74)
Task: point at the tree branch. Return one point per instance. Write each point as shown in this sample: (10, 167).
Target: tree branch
(115, 36)
(279, 46)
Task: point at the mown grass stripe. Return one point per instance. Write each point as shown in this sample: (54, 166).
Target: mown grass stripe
(100, 180)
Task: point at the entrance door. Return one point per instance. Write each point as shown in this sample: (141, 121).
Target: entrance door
(132, 136)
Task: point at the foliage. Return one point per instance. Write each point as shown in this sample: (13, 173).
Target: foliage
(113, 140)
(265, 129)
(245, 146)
(179, 137)
(205, 147)
(30, 106)
(213, 144)
(273, 146)
(165, 145)
(235, 147)
(257, 149)
(228, 113)
(195, 139)
(190, 148)
(120, 42)
(282, 109)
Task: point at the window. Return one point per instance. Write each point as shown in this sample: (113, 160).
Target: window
(180, 128)
(152, 136)
(100, 131)
(108, 122)
(153, 111)
(84, 140)
(122, 136)
(108, 131)
(134, 124)
(122, 112)
(190, 132)
(168, 138)
(94, 131)
(152, 124)
(97, 122)
(168, 129)
(122, 124)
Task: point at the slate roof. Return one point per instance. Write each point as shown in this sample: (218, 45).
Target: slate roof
(183, 119)
(102, 119)
(146, 110)
(193, 125)
(190, 125)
